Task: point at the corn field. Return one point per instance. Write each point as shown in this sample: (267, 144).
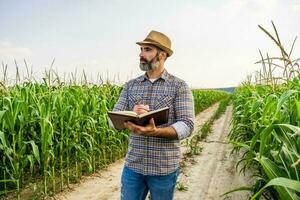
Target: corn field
(266, 127)
(52, 134)
(205, 98)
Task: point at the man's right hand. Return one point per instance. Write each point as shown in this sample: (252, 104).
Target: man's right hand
(141, 108)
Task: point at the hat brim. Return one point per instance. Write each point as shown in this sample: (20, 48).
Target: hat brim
(169, 51)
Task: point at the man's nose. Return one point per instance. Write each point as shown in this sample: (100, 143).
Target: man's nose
(141, 54)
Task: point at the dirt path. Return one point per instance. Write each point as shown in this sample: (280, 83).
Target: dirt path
(212, 173)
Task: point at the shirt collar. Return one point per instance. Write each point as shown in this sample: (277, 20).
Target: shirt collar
(164, 76)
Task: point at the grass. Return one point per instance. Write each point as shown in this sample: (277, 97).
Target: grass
(181, 186)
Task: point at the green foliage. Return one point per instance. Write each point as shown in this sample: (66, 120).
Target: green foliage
(266, 125)
(205, 98)
(181, 186)
(61, 131)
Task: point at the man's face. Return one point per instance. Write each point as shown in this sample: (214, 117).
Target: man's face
(149, 58)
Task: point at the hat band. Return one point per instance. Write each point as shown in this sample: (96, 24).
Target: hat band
(155, 42)
(150, 40)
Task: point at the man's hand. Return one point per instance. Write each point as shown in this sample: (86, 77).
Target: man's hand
(149, 130)
(152, 130)
(141, 109)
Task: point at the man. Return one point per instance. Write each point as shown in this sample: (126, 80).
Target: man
(153, 155)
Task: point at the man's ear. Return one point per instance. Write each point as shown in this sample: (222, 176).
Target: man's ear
(163, 56)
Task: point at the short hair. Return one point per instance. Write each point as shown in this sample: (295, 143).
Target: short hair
(159, 50)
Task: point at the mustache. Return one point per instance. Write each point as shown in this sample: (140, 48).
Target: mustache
(143, 59)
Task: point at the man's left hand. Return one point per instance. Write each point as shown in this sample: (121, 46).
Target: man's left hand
(148, 130)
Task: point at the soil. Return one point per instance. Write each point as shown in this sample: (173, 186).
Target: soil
(213, 172)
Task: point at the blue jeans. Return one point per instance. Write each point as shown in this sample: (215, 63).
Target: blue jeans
(135, 186)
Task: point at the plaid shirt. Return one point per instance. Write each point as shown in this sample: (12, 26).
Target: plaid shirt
(155, 155)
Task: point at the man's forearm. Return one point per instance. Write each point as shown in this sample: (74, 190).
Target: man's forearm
(165, 132)
(151, 130)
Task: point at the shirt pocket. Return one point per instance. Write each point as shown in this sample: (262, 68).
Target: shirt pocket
(164, 100)
(134, 99)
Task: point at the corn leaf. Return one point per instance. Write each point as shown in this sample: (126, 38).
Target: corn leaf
(282, 182)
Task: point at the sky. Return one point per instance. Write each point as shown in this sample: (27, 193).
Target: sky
(215, 43)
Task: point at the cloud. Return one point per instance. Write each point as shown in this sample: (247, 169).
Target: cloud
(296, 7)
(8, 51)
(218, 44)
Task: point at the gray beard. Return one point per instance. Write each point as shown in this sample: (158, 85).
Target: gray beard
(152, 65)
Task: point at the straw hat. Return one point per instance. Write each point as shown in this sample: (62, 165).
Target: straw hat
(159, 40)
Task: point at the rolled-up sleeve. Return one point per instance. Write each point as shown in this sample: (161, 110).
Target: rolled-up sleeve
(184, 112)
